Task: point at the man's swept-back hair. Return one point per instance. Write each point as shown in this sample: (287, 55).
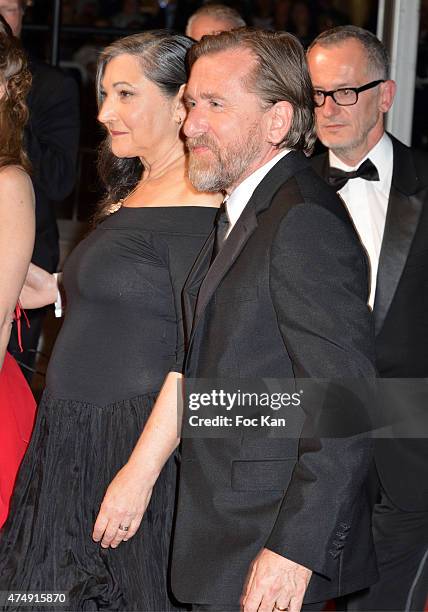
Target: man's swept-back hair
(162, 57)
(377, 55)
(221, 12)
(15, 81)
(280, 74)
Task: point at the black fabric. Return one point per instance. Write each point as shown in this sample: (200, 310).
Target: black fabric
(222, 225)
(285, 297)
(401, 540)
(51, 142)
(119, 339)
(338, 178)
(401, 315)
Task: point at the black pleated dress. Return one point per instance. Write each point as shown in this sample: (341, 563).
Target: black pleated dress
(121, 336)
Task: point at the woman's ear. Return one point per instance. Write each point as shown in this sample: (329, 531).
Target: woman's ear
(279, 118)
(180, 110)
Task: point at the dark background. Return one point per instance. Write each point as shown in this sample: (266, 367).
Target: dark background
(88, 25)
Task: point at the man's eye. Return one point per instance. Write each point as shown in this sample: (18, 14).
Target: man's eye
(189, 104)
(318, 93)
(215, 104)
(345, 92)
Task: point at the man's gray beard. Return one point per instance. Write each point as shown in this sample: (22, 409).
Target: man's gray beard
(347, 149)
(227, 167)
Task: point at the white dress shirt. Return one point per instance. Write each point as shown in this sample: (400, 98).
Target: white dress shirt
(367, 202)
(240, 196)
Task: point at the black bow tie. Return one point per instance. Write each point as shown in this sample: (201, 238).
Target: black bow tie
(338, 178)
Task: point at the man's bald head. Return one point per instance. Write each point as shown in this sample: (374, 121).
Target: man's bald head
(212, 19)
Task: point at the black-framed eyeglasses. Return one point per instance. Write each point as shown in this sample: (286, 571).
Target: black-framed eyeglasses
(345, 96)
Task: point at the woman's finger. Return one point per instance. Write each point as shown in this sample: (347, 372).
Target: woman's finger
(121, 533)
(99, 527)
(133, 527)
(110, 534)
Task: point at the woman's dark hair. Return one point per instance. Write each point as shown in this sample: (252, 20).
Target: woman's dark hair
(162, 56)
(15, 82)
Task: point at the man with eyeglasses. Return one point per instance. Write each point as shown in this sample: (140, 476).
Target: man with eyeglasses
(384, 186)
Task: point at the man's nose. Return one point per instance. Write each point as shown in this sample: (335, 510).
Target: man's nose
(195, 124)
(330, 108)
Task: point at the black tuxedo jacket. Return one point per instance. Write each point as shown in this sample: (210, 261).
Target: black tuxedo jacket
(401, 315)
(52, 142)
(286, 297)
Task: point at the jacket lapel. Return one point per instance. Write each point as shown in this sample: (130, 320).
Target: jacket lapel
(241, 232)
(404, 209)
(321, 165)
(234, 244)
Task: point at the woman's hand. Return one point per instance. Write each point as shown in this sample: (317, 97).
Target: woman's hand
(129, 493)
(123, 507)
(40, 288)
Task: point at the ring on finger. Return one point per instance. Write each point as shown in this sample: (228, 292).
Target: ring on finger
(276, 607)
(124, 527)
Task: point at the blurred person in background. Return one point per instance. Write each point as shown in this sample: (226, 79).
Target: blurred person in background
(130, 16)
(17, 227)
(51, 142)
(301, 21)
(86, 11)
(212, 19)
(263, 14)
(282, 13)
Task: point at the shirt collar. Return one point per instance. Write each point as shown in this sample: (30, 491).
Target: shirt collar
(240, 196)
(382, 157)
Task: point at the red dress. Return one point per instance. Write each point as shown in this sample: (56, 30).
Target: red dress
(17, 411)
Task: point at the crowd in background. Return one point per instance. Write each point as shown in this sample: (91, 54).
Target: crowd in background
(305, 18)
(79, 49)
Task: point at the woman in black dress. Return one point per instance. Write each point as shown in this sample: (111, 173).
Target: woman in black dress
(120, 338)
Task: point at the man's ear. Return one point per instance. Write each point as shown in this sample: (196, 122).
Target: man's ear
(387, 93)
(180, 110)
(279, 118)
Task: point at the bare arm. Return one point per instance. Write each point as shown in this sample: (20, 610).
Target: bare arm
(17, 229)
(40, 288)
(129, 493)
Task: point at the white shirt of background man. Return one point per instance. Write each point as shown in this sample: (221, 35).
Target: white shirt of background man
(367, 202)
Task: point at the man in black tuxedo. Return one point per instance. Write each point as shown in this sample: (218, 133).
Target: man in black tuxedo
(51, 142)
(386, 194)
(284, 297)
